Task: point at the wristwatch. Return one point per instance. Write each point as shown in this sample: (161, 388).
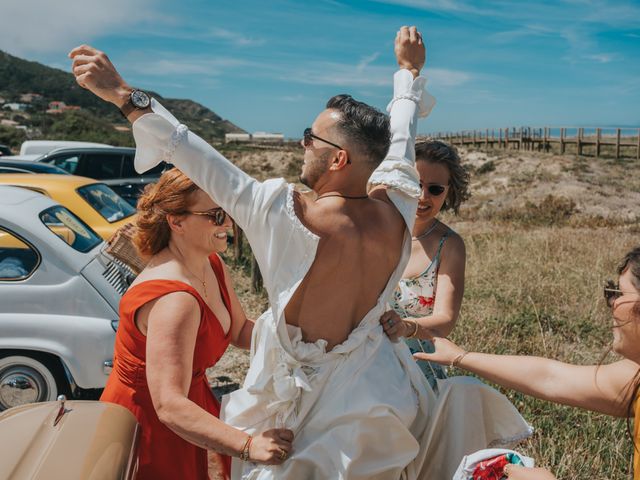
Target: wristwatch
(137, 101)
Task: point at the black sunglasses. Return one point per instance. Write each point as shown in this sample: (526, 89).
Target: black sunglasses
(436, 189)
(216, 215)
(309, 136)
(612, 292)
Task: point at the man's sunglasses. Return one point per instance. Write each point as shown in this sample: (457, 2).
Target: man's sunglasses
(216, 215)
(436, 189)
(308, 137)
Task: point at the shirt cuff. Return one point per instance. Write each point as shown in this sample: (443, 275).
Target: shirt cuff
(405, 87)
(157, 135)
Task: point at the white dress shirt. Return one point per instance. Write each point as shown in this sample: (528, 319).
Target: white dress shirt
(363, 410)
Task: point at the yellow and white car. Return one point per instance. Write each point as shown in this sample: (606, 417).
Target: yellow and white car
(93, 202)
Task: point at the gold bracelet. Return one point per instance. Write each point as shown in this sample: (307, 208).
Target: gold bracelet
(244, 453)
(456, 361)
(415, 329)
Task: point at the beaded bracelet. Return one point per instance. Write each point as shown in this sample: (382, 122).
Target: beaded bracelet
(244, 454)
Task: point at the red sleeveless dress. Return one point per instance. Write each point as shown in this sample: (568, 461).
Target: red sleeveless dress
(162, 453)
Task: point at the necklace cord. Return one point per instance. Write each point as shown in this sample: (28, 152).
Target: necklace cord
(428, 231)
(348, 197)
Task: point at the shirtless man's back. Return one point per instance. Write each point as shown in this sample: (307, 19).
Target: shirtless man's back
(360, 246)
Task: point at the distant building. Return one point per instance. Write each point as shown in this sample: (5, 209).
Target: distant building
(16, 107)
(60, 107)
(265, 137)
(257, 137)
(30, 97)
(8, 123)
(236, 137)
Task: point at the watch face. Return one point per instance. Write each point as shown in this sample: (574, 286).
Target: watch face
(140, 99)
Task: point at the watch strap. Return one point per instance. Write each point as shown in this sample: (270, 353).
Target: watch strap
(129, 107)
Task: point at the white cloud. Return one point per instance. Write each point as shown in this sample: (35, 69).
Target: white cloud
(38, 26)
(601, 57)
(235, 38)
(364, 75)
(172, 64)
(364, 63)
(509, 36)
(442, 5)
(443, 77)
(292, 98)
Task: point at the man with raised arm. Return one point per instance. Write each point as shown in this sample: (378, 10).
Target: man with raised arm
(330, 257)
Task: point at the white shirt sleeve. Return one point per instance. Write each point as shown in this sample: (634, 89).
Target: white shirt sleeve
(160, 137)
(397, 171)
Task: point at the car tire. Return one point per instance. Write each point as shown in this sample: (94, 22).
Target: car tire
(25, 380)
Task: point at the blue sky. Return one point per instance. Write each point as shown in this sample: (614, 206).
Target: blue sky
(271, 65)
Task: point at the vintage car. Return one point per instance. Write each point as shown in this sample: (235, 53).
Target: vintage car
(79, 440)
(95, 203)
(16, 165)
(111, 165)
(59, 296)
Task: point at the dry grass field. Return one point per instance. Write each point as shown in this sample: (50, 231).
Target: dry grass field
(542, 233)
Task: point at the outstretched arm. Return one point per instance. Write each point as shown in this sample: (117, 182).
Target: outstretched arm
(603, 389)
(396, 178)
(159, 136)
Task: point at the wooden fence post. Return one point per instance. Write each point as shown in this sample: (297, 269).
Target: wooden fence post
(638, 146)
(562, 131)
(237, 242)
(617, 143)
(579, 140)
(598, 134)
(520, 140)
(506, 137)
(486, 138)
(256, 277)
(546, 139)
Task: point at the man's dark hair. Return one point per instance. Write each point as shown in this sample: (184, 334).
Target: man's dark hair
(363, 127)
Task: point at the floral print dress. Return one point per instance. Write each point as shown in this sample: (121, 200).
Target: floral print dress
(415, 297)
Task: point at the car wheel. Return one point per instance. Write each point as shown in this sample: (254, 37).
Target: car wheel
(25, 380)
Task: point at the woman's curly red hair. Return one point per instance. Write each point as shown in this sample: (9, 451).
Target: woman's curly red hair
(172, 194)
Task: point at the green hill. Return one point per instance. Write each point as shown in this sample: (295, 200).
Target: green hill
(95, 121)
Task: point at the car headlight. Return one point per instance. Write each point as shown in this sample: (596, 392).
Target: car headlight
(114, 324)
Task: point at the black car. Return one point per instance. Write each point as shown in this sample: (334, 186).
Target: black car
(4, 150)
(8, 165)
(111, 165)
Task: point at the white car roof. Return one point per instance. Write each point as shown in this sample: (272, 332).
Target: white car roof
(31, 147)
(25, 158)
(11, 196)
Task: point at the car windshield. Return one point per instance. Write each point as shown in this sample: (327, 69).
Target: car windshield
(106, 202)
(70, 228)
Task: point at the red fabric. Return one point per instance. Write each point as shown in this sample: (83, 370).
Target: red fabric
(491, 469)
(163, 454)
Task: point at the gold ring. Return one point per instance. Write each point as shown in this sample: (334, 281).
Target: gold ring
(506, 469)
(283, 455)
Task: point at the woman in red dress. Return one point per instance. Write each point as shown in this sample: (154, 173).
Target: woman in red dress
(176, 320)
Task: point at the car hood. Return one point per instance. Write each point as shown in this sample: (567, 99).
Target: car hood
(82, 440)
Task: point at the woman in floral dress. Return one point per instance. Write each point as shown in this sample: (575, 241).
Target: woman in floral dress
(437, 260)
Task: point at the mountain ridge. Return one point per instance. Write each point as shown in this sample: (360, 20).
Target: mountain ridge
(20, 76)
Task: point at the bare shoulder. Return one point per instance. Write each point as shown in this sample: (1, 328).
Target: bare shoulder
(379, 192)
(454, 243)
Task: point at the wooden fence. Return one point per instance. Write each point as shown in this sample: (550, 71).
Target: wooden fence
(239, 256)
(594, 141)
